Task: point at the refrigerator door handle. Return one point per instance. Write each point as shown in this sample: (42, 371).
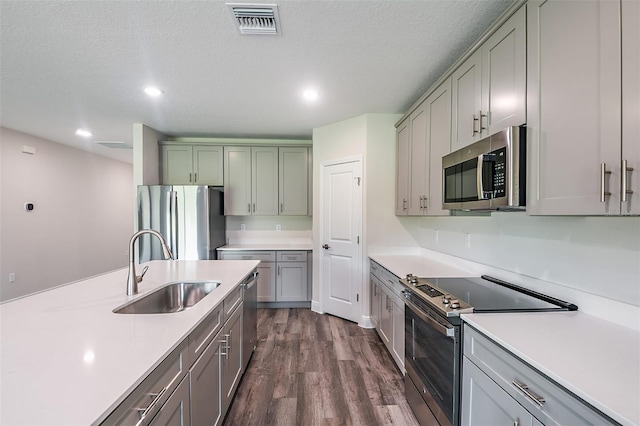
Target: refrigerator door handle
(174, 225)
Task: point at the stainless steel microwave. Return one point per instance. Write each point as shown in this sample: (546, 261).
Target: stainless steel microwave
(487, 175)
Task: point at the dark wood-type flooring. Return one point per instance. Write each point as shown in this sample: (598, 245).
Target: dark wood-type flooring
(312, 369)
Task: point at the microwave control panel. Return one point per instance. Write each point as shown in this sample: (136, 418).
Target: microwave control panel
(499, 172)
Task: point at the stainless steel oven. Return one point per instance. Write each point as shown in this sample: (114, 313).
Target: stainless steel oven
(433, 369)
(433, 355)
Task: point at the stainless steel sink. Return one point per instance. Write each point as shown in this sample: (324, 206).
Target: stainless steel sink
(171, 297)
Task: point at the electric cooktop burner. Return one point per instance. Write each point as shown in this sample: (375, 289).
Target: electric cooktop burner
(455, 296)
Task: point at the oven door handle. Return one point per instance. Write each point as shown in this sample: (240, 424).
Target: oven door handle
(446, 331)
(479, 176)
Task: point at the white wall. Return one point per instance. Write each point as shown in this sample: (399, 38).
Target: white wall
(596, 255)
(82, 219)
(371, 136)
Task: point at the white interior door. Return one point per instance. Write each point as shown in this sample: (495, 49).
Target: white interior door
(341, 207)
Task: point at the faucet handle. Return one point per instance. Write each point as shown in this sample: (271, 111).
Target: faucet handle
(144, 271)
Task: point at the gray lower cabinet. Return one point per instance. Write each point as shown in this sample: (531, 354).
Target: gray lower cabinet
(231, 357)
(499, 388)
(206, 408)
(176, 411)
(489, 404)
(284, 275)
(387, 310)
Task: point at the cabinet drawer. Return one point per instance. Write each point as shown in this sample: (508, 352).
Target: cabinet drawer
(267, 256)
(204, 333)
(292, 256)
(153, 392)
(391, 281)
(374, 269)
(554, 405)
(231, 302)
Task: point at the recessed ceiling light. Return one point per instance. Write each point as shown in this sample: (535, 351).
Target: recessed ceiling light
(152, 91)
(84, 133)
(310, 94)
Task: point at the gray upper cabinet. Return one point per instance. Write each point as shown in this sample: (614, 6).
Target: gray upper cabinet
(293, 181)
(583, 108)
(192, 164)
(422, 140)
(237, 180)
(402, 167)
(489, 88)
(466, 102)
(266, 181)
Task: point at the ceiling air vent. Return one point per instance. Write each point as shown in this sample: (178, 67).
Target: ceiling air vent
(114, 144)
(260, 19)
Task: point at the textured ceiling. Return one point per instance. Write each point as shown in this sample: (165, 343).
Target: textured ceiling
(71, 64)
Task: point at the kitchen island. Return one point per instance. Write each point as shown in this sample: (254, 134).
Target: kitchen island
(66, 358)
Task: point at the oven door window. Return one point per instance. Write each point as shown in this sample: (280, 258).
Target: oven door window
(433, 355)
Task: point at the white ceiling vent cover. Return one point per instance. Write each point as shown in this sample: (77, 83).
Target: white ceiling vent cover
(260, 19)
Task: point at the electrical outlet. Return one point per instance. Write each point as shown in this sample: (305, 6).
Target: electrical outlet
(278, 227)
(467, 240)
(12, 277)
(242, 227)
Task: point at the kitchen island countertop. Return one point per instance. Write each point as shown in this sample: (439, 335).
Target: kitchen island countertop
(66, 358)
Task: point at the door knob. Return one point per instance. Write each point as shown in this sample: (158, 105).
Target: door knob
(325, 246)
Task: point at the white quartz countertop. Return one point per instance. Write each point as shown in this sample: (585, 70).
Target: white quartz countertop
(421, 266)
(593, 358)
(306, 246)
(67, 359)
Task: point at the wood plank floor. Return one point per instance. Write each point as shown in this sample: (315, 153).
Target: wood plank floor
(312, 369)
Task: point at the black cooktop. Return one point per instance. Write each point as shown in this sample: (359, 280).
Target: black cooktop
(488, 294)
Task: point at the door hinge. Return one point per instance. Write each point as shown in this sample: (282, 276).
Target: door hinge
(357, 297)
(358, 239)
(358, 180)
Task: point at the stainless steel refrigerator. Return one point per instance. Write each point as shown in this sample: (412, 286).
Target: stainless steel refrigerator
(191, 218)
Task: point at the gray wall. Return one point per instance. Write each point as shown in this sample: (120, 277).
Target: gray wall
(82, 220)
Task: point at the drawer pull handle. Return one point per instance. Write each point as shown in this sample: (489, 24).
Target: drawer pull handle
(525, 390)
(142, 412)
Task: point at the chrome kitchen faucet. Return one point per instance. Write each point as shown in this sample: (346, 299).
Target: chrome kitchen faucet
(133, 279)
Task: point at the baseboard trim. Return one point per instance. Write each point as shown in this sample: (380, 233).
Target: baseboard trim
(365, 322)
(315, 307)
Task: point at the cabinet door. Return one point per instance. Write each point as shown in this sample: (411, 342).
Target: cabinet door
(231, 358)
(438, 106)
(403, 168)
(486, 403)
(397, 308)
(205, 386)
(177, 165)
(176, 410)
(237, 181)
(386, 319)
(631, 103)
(374, 301)
(292, 282)
(208, 165)
(419, 169)
(504, 76)
(266, 282)
(293, 181)
(264, 181)
(573, 107)
(466, 98)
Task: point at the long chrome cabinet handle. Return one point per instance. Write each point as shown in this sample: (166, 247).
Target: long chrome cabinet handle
(525, 390)
(625, 183)
(603, 172)
(249, 207)
(142, 412)
(404, 204)
(475, 120)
